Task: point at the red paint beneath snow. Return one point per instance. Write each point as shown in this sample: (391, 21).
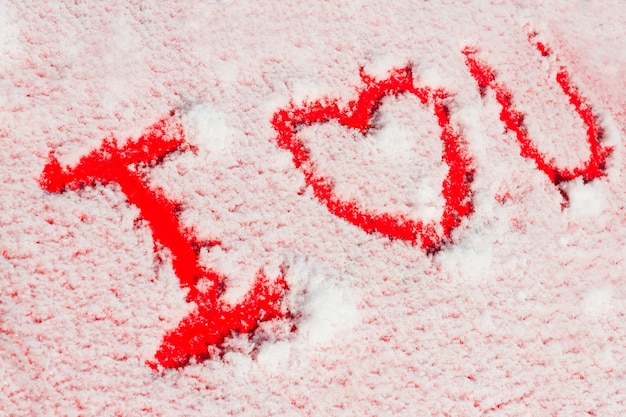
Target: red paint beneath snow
(593, 168)
(213, 320)
(357, 115)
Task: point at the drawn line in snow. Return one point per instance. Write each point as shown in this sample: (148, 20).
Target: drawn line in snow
(513, 119)
(358, 114)
(212, 321)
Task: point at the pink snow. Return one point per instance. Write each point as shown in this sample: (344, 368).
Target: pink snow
(519, 312)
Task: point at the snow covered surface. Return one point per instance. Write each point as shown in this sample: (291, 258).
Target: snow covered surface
(521, 313)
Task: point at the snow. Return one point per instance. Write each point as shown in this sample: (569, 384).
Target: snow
(207, 128)
(520, 313)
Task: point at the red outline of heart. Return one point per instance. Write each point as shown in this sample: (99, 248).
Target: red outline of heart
(357, 114)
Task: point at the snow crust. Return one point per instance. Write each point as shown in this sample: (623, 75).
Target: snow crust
(522, 314)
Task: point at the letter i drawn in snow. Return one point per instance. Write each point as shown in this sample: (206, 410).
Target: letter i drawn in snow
(213, 320)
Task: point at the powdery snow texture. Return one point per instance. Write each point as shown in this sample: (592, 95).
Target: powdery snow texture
(511, 303)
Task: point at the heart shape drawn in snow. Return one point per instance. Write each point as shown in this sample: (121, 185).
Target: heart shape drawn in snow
(358, 114)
